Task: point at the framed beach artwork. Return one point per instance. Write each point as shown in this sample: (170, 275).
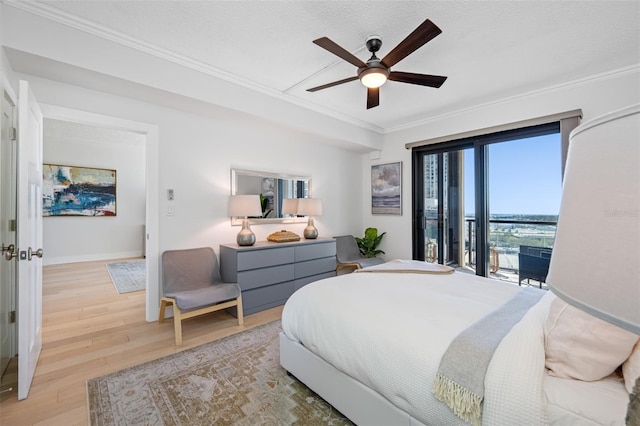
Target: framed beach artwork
(386, 188)
(78, 191)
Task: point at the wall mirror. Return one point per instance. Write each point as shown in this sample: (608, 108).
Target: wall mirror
(274, 187)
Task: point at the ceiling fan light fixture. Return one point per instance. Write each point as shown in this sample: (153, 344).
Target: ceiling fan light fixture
(375, 72)
(373, 77)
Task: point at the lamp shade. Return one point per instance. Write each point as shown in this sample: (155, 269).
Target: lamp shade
(309, 206)
(595, 264)
(290, 206)
(244, 205)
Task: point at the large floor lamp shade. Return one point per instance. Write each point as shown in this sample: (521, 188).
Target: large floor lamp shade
(243, 206)
(595, 264)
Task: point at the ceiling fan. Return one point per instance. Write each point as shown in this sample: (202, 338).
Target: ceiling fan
(375, 72)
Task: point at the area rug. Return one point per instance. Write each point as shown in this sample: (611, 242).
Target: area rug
(128, 276)
(236, 380)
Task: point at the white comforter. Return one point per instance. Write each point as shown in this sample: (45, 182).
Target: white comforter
(389, 331)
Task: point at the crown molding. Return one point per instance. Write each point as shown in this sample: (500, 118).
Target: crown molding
(574, 83)
(45, 11)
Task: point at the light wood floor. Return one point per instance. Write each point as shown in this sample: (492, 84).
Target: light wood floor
(90, 330)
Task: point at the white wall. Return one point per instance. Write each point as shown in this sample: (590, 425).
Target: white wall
(5, 67)
(197, 153)
(73, 238)
(595, 96)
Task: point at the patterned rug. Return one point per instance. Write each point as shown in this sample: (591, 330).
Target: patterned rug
(128, 276)
(236, 380)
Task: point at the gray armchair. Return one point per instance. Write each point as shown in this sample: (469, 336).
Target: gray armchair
(191, 282)
(348, 254)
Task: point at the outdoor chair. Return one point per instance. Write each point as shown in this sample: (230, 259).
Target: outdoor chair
(191, 282)
(348, 254)
(533, 263)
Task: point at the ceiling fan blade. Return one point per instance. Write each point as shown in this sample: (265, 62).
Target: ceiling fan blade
(419, 37)
(337, 50)
(335, 83)
(373, 97)
(421, 79)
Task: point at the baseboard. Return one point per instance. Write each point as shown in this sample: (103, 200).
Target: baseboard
(90, 257)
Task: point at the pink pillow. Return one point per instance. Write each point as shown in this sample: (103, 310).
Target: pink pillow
(631, 368)
(581, 346)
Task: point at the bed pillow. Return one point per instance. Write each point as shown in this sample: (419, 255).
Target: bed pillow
(581, 346)
(631, 368)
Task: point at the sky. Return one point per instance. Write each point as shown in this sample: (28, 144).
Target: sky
(524, 176)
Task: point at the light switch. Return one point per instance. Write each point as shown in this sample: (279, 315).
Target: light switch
(169, 210)
(170, 194)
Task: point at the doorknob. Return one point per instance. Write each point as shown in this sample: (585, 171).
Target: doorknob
(9, 252)
(37, 253)
(10, 247)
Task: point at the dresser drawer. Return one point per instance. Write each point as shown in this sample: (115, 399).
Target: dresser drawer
(315, 251)
(306, 280)
(255, 259)
(268, 273)
(265, 297)
(315, 267)
(265, 276)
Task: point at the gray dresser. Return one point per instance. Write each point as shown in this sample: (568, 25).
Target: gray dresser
(268, 273)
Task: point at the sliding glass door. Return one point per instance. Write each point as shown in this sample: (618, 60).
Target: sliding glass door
(477, 200)
(524, 186)
(443, 214)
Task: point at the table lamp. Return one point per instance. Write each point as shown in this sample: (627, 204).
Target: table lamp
(290, 206)
(243, 206)
(310, 207)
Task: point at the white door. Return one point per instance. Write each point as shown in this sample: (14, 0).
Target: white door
(7, 231)
(29, 234)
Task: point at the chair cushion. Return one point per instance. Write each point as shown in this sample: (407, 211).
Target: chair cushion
(369, 261)
(201, 297)
(347, 250)
(189, 269)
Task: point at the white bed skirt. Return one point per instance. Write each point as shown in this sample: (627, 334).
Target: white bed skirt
(359, 403)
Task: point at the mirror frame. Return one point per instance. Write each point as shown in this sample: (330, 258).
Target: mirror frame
(235, 221)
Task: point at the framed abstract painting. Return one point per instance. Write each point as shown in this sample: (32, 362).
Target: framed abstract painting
(386, 189)
(78, 191)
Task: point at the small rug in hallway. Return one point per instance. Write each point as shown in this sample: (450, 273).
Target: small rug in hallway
(128, 276)
(236, 380)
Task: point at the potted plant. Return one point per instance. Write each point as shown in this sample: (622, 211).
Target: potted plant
(369, 243)
(264, 204)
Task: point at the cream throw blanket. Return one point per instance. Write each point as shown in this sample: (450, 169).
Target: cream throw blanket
(460, 379)
(409, 266)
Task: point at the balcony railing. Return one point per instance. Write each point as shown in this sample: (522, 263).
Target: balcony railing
(505, 238)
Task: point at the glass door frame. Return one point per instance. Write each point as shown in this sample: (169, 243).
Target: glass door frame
(479, 144)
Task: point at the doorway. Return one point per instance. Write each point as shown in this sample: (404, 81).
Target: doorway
(151, 201)
(8, 156)
(151, 166)
(72, 231)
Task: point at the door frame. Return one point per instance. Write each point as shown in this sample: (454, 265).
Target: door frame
(5, 87)
(479, 144)
(151, 133)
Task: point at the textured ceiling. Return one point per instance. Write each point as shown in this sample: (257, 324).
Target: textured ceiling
(490, 50)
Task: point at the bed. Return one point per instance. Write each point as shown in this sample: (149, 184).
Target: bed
(370, 344)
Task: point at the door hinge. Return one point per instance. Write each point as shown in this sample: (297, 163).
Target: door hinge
(13, 134)
(12, 225)
(12, 317)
